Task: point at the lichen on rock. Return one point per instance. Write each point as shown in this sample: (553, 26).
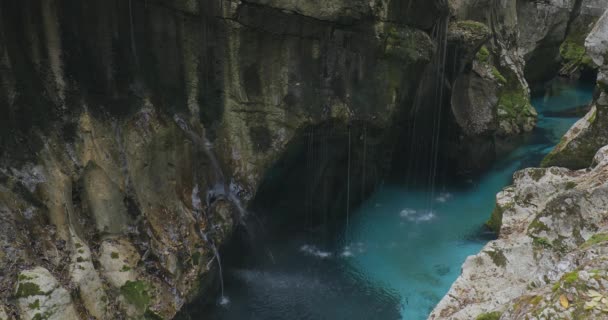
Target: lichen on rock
(40, 296)
(551, 236)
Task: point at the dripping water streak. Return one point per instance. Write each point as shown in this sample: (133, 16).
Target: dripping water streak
(223, 299)
(348, 186)
(364, 161)
(133, 47)
(437, 125)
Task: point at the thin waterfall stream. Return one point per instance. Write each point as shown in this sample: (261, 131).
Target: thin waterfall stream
(397, 255)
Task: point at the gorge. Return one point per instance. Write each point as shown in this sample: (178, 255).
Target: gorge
(303, 159)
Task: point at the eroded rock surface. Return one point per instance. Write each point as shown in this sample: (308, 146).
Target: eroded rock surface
(550, 221)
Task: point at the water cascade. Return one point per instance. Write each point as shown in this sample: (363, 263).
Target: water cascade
(219, 189)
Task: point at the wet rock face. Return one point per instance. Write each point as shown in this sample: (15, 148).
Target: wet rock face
(552, 236)
(132, 128)
(578, 146)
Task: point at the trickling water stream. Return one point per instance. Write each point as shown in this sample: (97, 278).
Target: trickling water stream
(401, 253)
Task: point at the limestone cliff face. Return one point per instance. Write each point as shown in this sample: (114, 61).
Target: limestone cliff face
(134, 132)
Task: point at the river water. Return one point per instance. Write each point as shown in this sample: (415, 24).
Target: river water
(403, 248)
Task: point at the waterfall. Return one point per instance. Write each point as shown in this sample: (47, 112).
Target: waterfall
(198, 210)
(310, 160)
(223, 299)
(442, 31)
(424, 130)
(221, 188)
(364, 162)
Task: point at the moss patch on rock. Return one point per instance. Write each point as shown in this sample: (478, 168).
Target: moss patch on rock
(595, 239)
(498, 257)
(572, 51)
(483, 54)
(489, 316)
(495, 221)
(136, 294)
(27, 289)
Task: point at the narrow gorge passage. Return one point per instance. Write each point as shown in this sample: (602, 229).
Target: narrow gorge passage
(401, 251)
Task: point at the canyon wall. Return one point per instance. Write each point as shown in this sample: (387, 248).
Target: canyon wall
(135, 132)
(549, 259)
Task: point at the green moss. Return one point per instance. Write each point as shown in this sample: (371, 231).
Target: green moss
(495, 221)
(570, 185)
(537, 226)
(498, 257)
(595, 239)
(556, 286)
(23, 277)
(114, 255)
(514, 103)
(571, 51)
(542, 242)
(570, 277)
(593, 116)
(38, 316)
(406, 44)
(576, 155)
(489, 316)
(35, 304)
(136, 294)
(78, 245)
(498, 76)
(196, 258)
(27, 289)
(473, 27)
(536, 174)
(483, 55)
(80, 259)
(125, 268)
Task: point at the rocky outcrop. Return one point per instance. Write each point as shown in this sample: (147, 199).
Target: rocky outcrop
(578, 146)
(546, 261)
(552, 39)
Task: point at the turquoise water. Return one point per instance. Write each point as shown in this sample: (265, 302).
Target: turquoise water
(403, 248)
(415, 242)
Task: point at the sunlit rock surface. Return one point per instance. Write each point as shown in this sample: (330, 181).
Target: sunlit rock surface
(551, 220)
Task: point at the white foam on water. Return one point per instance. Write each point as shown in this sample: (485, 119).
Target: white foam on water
(224, 301)
(444, 197)
(416, 216)
(346, 253)
(428, 216)
(314, 251)
(407, 212)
